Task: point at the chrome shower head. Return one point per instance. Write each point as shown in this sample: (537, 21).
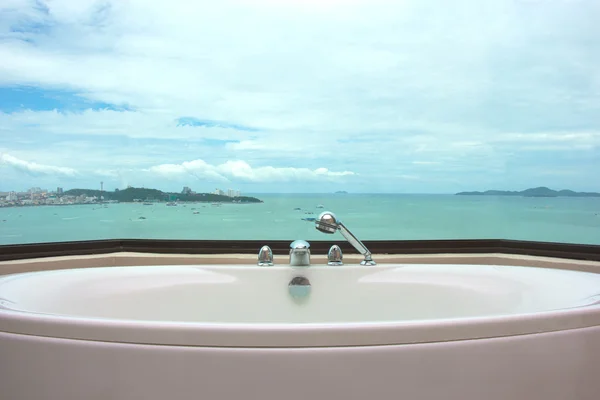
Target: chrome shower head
(327, 223)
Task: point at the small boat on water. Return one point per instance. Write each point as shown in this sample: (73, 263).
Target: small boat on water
(320, 206)
(171, 204)
(309, 219)
(196, 212)
(297, 209)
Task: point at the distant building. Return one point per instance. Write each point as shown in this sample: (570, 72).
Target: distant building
(59, 190)
(186, 190)
(228, 193)
(12, 196)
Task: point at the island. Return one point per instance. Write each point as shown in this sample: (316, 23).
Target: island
(59, 197)
(341, 192)
(132, 194)
(541, 191)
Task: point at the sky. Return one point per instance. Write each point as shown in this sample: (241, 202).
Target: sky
(290, 96)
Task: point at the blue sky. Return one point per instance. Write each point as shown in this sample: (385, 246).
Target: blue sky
(300, 96)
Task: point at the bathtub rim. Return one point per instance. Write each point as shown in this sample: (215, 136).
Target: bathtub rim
(297, 335)
(292, 335)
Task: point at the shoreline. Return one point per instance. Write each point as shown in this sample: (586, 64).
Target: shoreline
(127, 202)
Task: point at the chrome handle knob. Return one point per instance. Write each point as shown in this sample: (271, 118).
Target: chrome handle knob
(335, 256)
(265, 257)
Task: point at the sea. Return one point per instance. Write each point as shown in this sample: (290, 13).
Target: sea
(287, 216)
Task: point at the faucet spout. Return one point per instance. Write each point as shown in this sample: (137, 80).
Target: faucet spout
(300, 253)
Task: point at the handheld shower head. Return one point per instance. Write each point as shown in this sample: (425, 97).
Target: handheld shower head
(328, 223)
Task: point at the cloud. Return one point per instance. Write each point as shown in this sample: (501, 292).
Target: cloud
(383, 88)
(107, 173)
(33, 168)
(282, 66)
(110, 122)
(426, 162)
(191, 121)
(241, 171)
(326, 172)
(197, 169)
(561, 141)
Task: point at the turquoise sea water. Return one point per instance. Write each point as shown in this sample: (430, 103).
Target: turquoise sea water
(399, 217)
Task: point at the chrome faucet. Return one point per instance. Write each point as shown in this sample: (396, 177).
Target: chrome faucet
(300, 253)
(265, 257)
(328, 223)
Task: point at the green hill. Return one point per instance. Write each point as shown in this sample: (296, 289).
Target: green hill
(541, 191)
(143, 194)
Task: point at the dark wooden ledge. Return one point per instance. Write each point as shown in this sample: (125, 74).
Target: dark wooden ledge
(475, 246)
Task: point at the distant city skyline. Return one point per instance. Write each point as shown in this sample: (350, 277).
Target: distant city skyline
(37, 196)
(58, 189)
(364, 96)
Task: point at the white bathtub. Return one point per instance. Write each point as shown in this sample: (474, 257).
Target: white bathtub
(229, 332)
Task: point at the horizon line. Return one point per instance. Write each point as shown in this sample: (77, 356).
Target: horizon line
(339, 192)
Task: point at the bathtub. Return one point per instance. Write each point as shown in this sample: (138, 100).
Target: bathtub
(231, 331)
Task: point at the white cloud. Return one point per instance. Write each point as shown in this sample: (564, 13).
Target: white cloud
(107, 173)
(105, 122)
(391, 88)
(241, 171)
(591, 138)
(34, 168)
(196, 168)
(281, 65)
(426, 162)
(326, 172)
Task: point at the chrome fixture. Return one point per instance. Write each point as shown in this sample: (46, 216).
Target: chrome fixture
(299, 287)
(335, 256)
(328, 223)
(265, 257)
(300, 253)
